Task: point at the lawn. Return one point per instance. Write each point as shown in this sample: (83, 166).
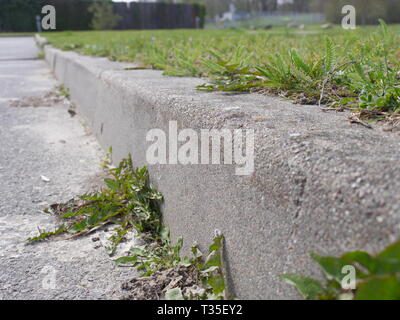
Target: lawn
(356, 69)
(16, 34)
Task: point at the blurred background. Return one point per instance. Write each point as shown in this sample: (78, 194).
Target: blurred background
(20, 15)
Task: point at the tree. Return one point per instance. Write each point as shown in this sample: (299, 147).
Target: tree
(301, 5)
(103, 15)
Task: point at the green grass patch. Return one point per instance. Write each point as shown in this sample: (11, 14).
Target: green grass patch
(356, 69)
(17, 34)
(374, 277)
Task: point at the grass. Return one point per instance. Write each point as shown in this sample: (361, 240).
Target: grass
(16, 34)
(355, 275)
(356, 69)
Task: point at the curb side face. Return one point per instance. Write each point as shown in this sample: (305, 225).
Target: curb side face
(319, 183)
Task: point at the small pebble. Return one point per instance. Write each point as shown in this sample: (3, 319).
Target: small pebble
(44, 179)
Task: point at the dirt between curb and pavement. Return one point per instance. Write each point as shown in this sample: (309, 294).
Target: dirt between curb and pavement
(320, 184)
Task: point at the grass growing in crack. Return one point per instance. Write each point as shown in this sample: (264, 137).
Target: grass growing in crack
(357, 70)
(129, 201)
(207, 279)
(64, 92)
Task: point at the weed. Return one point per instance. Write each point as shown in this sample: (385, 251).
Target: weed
(154, 260)
(377, 277)
(64, 92)
(130, 202)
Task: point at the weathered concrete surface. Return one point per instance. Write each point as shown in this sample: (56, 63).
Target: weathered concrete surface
(320, 183)
(44, 141)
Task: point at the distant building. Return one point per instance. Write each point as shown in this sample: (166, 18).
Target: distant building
(283, 2)
(232, 15)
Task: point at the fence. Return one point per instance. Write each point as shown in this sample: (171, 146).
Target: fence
(19, 15)
(159, 16)
(263, 19)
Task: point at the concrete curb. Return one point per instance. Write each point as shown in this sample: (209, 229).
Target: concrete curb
(40, 41)
(320, 183)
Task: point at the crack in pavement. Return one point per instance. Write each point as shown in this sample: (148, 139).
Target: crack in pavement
(45, 141)
(18, 59)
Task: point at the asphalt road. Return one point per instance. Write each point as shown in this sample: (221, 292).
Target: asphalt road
(35, 142)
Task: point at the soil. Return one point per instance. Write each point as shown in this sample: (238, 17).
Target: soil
(48, 100)
(155, 286)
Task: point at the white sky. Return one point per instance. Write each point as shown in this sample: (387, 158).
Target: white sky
(133, 0)
(279, 1)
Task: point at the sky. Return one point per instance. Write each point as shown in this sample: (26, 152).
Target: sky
(279, 1)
